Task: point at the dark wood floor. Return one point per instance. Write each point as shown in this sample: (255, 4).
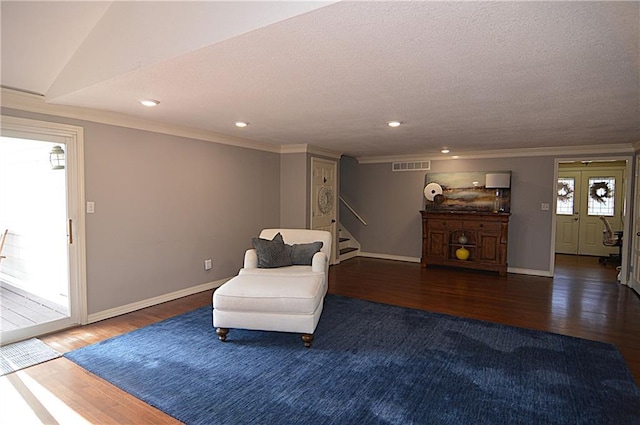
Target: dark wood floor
(582, 300)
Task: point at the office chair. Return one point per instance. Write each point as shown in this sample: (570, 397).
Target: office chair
(611, 238)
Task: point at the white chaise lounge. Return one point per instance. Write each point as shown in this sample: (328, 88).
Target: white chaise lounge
(277, 291)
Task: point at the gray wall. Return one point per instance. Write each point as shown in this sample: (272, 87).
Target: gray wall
(390, 202)
(294, 185)
(163, 204)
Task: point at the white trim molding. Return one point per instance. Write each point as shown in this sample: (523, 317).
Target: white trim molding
(389, 257)
(531, 272)
(33, 103)
(515, 270)
(118, 311)
(73, 138)
(618, 148)
(306, 148)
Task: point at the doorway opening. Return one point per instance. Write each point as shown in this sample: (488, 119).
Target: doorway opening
(34, 275)
(590, 195)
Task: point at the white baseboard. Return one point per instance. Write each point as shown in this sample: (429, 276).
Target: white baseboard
(389, 257)
(532, 272)
(117, 311)
(515, 270)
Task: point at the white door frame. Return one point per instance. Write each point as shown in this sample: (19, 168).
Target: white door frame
(73, 139)
(634, 280)
(628, 197)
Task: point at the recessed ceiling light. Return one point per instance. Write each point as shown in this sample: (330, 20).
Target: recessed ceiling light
(445, 150)
(241, 124)
(394, 123)
(150, 102)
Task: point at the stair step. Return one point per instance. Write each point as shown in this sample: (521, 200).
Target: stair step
(344, 239)
(347, 250)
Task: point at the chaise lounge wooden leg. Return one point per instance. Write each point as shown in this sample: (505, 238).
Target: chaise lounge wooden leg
(307, 339)
(222, 333)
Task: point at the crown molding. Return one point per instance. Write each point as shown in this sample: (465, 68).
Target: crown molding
(618, 148)
(314, 150)
(32, 102)
(298, 148)
(35, 103)
(306, 148)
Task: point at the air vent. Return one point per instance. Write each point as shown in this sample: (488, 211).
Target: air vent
(411, 166)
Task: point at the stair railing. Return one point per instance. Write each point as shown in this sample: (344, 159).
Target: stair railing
(350, 208)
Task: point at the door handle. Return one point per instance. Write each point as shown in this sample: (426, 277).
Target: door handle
(638, 234)
(70, 232)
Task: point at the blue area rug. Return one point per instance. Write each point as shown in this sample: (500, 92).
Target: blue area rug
(369, 364)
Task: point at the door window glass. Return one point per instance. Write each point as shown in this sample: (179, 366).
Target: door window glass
(566, 188)
(601, 196)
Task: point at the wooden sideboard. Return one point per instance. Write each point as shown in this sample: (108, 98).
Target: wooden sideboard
(486, 235)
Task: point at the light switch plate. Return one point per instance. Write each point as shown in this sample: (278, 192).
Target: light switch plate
(544, 206)
(91, 207)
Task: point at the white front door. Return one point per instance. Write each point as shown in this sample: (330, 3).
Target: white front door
(635, 235)
(323, 199)
(568, 212)
(602, 194)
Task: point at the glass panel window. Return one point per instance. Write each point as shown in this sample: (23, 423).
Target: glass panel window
(566, 195)
(601, 196)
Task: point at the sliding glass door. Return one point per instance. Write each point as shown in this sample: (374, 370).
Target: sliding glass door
(42, 264)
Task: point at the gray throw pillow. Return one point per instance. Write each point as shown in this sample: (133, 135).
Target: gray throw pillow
(272, 253)
(302, 254)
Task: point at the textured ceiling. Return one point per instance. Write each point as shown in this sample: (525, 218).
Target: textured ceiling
(470, 76)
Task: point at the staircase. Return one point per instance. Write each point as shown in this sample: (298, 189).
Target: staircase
(348, 246)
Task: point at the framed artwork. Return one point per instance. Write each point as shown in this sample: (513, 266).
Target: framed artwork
(468, 191)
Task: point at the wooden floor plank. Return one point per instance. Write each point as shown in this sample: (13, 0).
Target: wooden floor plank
(582, 300)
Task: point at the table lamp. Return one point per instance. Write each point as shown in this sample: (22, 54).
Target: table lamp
(498, 181)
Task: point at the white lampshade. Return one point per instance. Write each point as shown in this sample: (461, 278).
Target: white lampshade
(498, 181)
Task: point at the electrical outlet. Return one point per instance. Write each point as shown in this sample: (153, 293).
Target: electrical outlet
(544, 206)
(207, 264)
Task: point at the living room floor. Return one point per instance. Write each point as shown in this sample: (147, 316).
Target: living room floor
(582, 300)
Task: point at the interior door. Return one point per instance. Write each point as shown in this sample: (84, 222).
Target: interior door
(568, 212)
(635, 260)
(323, 199)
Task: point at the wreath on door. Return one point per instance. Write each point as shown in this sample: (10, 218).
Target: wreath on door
(565, 192)
(325, 199)
(600, 192)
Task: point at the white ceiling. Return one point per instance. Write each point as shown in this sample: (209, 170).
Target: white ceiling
(470, 76)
